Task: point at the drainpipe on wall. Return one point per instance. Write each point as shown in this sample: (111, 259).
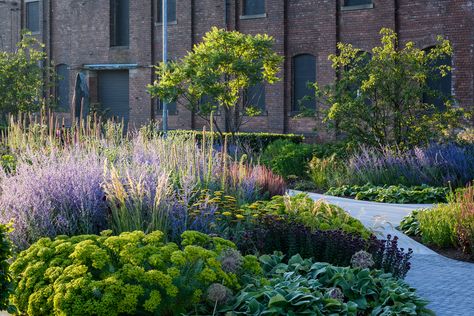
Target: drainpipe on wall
(226, 17)
(152, 43)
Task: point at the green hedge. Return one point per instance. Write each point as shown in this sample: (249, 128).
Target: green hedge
(254, 140)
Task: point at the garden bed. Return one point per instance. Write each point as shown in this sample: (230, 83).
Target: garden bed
(145, 225)
(452, 253)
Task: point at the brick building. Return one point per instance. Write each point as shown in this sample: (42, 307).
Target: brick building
(110, 45)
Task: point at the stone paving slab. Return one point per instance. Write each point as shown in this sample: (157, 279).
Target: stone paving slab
(448, 284)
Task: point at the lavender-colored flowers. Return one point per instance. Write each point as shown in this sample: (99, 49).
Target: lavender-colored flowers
(53, 194)
(138, 183)
(436, 165)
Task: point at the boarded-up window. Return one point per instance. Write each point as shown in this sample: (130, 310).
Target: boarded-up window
(172, 108)
(255, 97)
(113, 88)
(254, 7)
(440, 86)
(119, 23)
(349, 3)
(62, 87)
(171, 11)
(304, 73)
(32, 16)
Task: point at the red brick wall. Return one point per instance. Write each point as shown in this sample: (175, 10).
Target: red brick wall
(80, 35)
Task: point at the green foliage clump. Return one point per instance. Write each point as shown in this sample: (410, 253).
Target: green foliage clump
(448, 225)
(130, 274)
(8, 163)
(410, 224)
(5, 255)
(302, 287)
(22, 75)
(287, 159)
(377, 98)
(317, 215)
(438, 225)
(400, 194)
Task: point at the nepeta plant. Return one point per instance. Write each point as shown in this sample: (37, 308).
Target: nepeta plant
(53, 194)
(435, 165)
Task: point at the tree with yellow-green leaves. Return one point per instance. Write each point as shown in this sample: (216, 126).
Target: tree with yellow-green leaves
(216, 74)
(384, 97)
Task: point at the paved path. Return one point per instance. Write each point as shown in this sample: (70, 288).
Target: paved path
(448, 284)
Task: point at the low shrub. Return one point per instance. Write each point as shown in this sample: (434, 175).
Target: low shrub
(273, 233)
(422, 194)
(287, 159)
(130, 274)
(317, 215)
(303, 287)
(448, 225)
(5, 277)
(337, 247)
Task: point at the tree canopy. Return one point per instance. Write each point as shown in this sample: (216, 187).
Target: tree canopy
(378, 97)
(216, 74)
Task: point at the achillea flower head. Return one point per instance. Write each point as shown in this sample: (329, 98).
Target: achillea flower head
(362, 260)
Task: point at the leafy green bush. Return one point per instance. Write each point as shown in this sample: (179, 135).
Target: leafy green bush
(422, 194)
(133, 274)
(410, 224)
(287, 158)
(302, 287)
(5, 255)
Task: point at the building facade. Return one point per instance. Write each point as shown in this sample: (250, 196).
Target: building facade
(104, 50)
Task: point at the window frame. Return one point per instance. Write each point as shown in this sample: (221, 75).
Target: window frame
(246, 16)
(352, 7)
(159, 108)
(159, 17)
(27, 3)
(263, 95)
(435, 100)
(295, 108)
(113, 25)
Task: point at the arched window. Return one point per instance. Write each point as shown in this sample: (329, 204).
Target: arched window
(253, 7)
(62, 87)
(304, 72)
(440, 86)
